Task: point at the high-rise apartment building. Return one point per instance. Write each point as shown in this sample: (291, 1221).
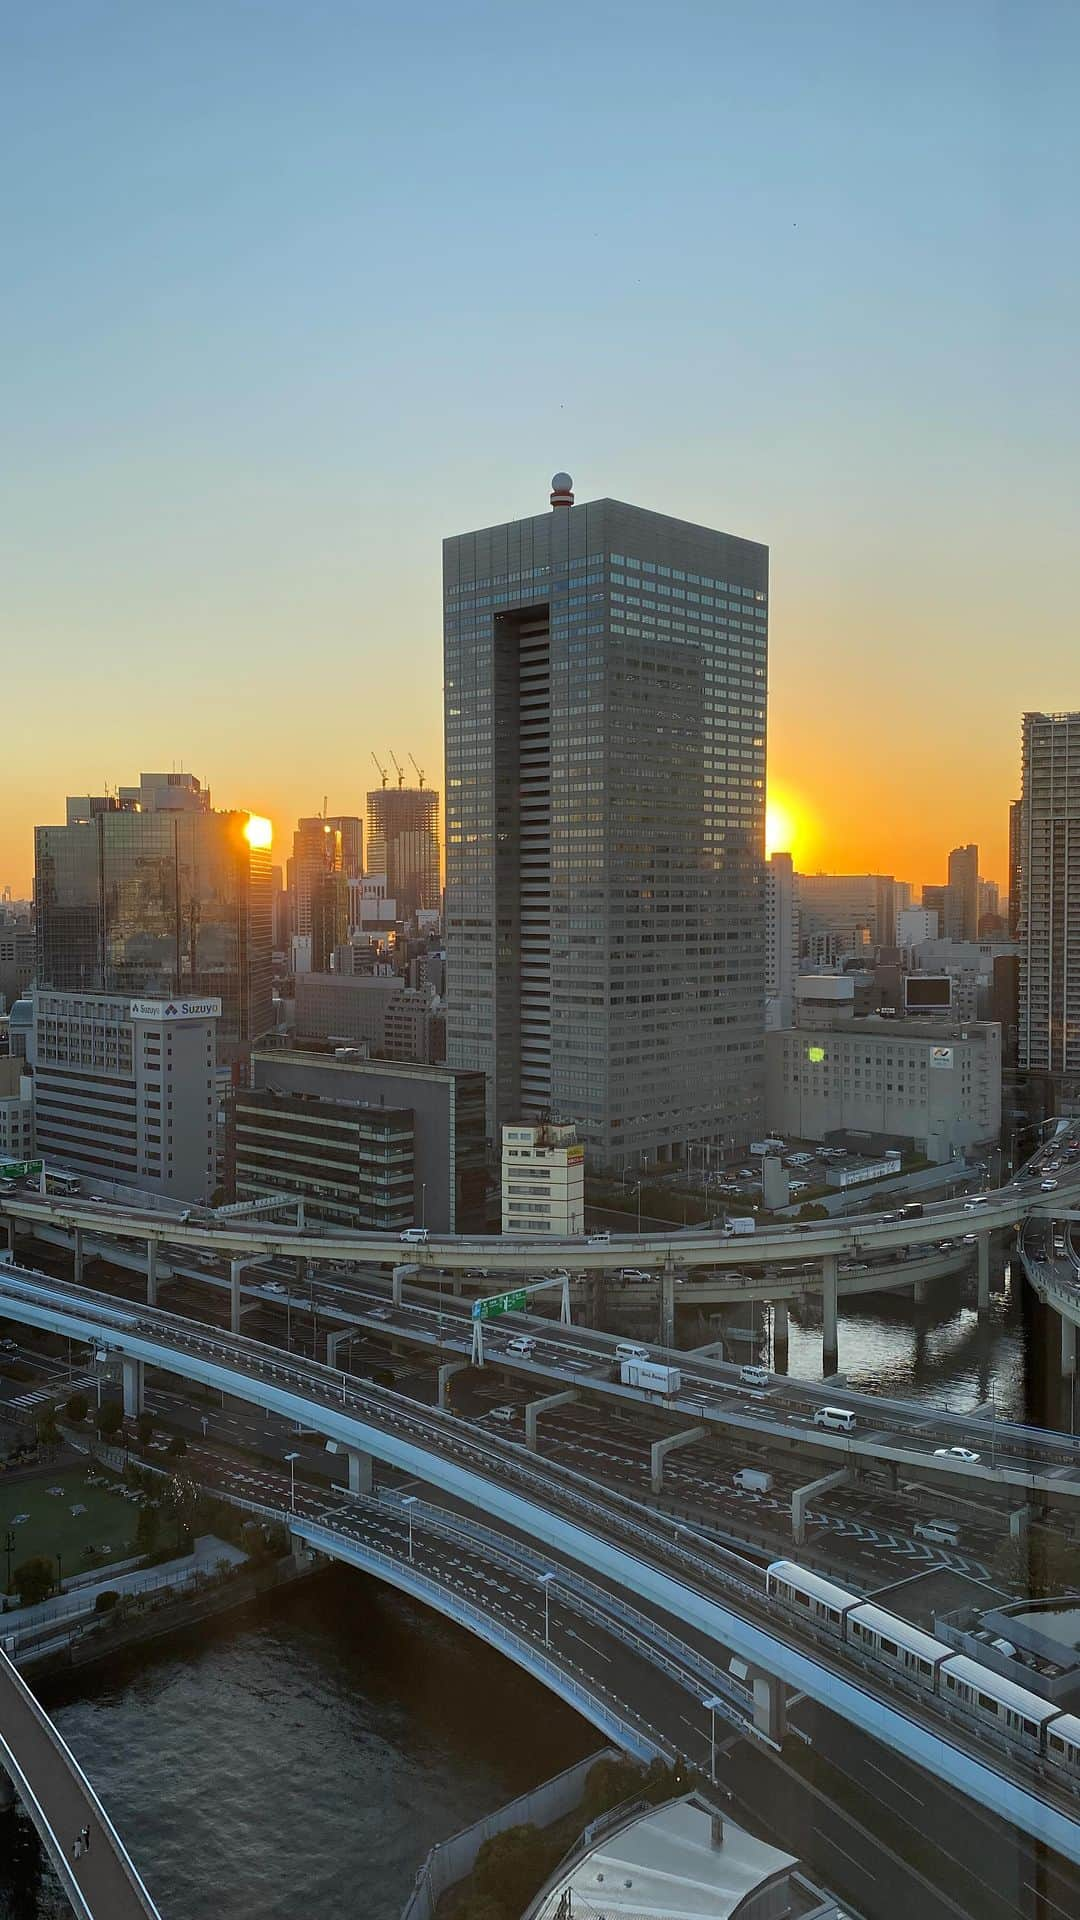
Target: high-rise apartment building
(403, 844)
(782, 940)
(149, 891)
(1016, 829)
(1050, 895)
(962, 894)
(605, 682)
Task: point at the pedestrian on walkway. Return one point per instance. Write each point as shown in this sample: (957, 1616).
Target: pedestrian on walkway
(85, 1838)
(77, 1848)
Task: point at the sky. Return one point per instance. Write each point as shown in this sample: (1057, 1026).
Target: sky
(291, 292)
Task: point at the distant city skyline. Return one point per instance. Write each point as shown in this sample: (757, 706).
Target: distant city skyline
(229, 481)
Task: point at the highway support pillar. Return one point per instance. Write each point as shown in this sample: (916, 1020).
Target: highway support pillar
(78, 1257)
(660, 1449)
(829, 1351)
(236, 1268)
(1068, 1348)
(780, 1336)
(536, 1407)
(921, 1292)
(802, 1496)
(984, 1273)
(151, 1272)
(134, 1394)
(10, 1225)
(338, 1339)
(401, 1274)
(446, 1374)
(770, 1707)
(667, 1304)
(1018, 1522)
(361, 1471)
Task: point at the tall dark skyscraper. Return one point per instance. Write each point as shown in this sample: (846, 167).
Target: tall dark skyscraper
(149, 891)
(1016, 831)
(605, 673)
(962, 894)
(1050, 898)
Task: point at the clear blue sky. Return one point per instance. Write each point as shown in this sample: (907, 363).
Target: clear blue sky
(292, 290)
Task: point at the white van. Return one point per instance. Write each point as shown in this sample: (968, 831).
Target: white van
(836, 1419)
(626, 1350)
(943, 1533)
(753, 1376)
(520, 1344)
(414, 1236)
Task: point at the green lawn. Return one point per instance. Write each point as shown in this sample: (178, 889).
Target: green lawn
(52, 1528)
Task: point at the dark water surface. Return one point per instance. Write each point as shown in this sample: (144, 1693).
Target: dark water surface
(297, 1758)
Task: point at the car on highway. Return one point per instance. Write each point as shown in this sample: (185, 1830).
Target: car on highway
(274, 1286)
(975, 1205)
(630, 1350)
(966, 1454)
(521, 1344)
(1047, 1186)
(634, 1273)
(504, 1415)
(942, 1533)
(413, 1236)
(379, 1313)
(9, 1346)
(754, 1376)
(602, 1238)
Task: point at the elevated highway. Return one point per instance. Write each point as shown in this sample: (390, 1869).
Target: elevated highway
(589, 1525)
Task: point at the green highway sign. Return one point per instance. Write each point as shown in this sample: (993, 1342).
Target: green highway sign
(499, 1303)
(19, 1169)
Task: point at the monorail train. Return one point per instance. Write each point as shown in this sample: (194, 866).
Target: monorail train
(981, 1694)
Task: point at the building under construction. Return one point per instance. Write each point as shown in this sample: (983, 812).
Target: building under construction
(403, 843)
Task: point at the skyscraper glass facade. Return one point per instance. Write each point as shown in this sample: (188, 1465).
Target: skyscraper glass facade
(606, 677)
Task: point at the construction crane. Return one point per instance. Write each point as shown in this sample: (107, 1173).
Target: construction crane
(400, 769)
(419, 769)
(381, 768)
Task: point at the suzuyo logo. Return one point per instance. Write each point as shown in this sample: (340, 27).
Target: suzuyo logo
(175, 1009)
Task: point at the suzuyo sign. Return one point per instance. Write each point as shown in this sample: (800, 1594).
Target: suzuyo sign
(175, 1009)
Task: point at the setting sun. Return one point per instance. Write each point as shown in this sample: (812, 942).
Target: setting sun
(780, 831)
(259, 832)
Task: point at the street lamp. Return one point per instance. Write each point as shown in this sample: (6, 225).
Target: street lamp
(545, 1581)
(409, 1503)
(712, 1702)
(100, 1359)
(292, 1459)
(423, 1203)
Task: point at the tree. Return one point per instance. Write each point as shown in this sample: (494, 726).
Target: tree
(144, 1428)
(110, 1419)
(511, 1865)
(146, 1530)
(106, 1601)
(48, 1433)
(33, 1579)
(77, 1408)
(177, 1446)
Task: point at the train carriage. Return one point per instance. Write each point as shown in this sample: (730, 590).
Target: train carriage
(1063, 1743)
(997, 1702)
(897, 1644)
(810, 1595)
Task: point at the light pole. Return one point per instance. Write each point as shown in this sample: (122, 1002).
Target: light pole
(423, 1203)
(712, 1702)
(409, 1503)
(545, 1581)
(100, 1358)
(292, 1459)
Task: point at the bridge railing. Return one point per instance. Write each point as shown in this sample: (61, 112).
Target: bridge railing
(10, 1675)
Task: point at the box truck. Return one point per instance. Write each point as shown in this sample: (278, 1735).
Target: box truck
(739, 1223)
(650, 1376)
(753, 1480)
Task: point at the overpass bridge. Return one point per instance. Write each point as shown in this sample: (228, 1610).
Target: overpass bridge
(242, 1240)
(645, 1555)
(102, 1882)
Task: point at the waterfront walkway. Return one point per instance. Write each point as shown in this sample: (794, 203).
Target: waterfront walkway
(103, 1884)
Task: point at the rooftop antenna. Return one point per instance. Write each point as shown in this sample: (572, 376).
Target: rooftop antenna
(380, 767)
(419, 769)
(562, 490)
(400, 769)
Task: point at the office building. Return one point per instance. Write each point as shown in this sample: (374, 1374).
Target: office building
(446, 1108)
(1049, 1040)
(316, 859)
(605, 750)
(350, 829)
(16, 1111)
(858, 909)
(16, 959)
(914, 925)
(378, 1011)
(962, 894)
(352, 1162)
(126, 1089)
(928, 1084)
(1016, 830)
(782, 940)
(543, 1181)
(403, 845)
(149, 892)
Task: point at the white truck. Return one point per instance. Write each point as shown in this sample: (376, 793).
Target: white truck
(739, 1223)
(753, 1480)
(650, 1376)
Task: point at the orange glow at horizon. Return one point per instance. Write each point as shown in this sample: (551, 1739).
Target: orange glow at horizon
(788, 825)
